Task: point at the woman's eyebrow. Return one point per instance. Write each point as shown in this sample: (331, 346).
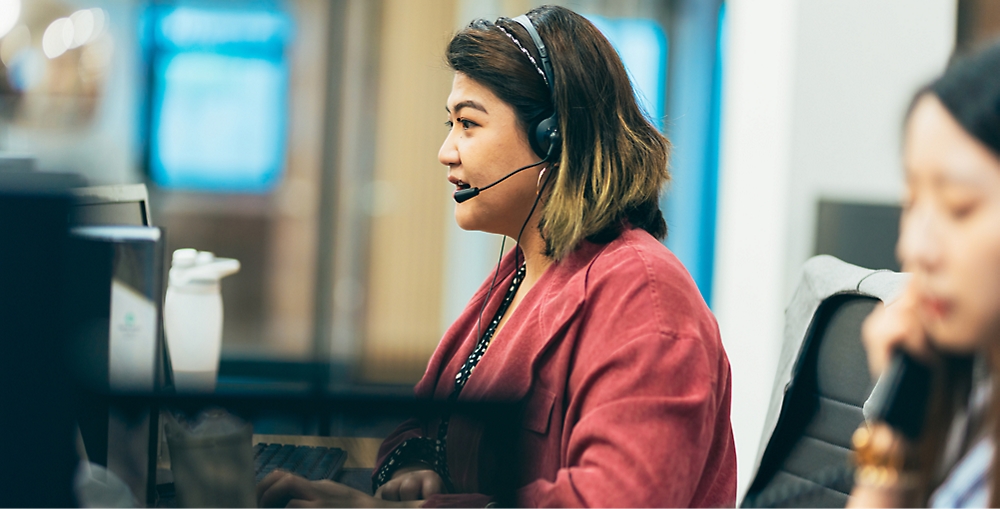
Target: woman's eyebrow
(963, 177)
(467, 104)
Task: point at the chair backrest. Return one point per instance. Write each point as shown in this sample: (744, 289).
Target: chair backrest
(806, 461)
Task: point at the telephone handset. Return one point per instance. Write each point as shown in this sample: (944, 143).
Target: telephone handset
(901, 402)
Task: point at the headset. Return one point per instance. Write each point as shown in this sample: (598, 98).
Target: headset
(542, 133)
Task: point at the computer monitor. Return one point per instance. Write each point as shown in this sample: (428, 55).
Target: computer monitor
(125, 443)
(116, 205)
(111, 205)
(116, 274)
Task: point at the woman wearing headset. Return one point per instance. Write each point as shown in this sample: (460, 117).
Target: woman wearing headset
(590, 324)
(950, 314)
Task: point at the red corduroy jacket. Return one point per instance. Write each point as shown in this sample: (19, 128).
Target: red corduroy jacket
(621, 371)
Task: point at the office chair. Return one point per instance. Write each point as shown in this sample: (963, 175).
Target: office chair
(820, 388)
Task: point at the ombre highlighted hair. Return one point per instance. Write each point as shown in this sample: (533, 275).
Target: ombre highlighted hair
(613, 161)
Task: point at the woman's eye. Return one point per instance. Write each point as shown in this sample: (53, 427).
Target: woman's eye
(962, 211)
(466, 124)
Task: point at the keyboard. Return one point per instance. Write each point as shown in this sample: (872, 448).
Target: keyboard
(313, 463)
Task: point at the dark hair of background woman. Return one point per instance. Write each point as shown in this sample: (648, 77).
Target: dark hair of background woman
(613, 162)
(970, 91)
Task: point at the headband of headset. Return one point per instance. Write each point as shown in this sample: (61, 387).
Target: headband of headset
(539, 45)
(543, 134)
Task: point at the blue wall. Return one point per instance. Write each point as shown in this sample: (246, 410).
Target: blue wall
(693, 107)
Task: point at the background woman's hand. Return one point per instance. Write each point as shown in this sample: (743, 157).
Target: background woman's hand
(894, 326)
(411, 483)
(284, 489)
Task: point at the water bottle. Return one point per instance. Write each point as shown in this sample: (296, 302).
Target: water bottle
(192, 317)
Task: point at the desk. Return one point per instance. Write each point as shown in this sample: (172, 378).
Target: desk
(361, 452)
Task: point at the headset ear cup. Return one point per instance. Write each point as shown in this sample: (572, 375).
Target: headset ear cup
(555, 141)
(545, 135)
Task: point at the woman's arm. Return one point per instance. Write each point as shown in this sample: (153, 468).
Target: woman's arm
(407, 486)
(414, 482)
(886, 330)
(881, 481)
(405, 468)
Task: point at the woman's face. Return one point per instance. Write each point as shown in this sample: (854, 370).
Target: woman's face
(484, 144)
(950, 231)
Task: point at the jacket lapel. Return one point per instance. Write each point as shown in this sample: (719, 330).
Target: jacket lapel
(542, 321)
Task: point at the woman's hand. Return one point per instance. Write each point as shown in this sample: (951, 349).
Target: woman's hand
(892, 327)
(411, 483)
(284, 489)
(880, 482)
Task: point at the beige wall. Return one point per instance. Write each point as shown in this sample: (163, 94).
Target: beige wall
(409, 192)
(294, 227)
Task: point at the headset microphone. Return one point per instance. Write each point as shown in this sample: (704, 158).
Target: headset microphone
(467, 194)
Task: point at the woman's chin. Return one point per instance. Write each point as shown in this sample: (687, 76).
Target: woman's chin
(953, 338)
(472, 224)
(465, 221)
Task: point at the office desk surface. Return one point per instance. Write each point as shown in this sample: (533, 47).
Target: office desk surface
(361, 452)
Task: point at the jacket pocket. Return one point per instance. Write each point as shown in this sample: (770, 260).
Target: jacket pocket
(538, 410)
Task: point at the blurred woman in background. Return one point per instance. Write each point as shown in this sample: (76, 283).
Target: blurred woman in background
(950, 314)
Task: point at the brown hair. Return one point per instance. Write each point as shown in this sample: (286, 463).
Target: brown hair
(950, 387)
(613, 161)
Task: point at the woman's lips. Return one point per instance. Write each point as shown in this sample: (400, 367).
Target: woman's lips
(458, 183)
(936, 307)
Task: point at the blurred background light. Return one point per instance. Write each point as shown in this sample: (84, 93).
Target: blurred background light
(79, 28)
(83, 27)
(10, 11)
(57, 37)
(219, 102)
(187, 26)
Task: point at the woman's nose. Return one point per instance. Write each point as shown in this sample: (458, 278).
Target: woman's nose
(919, 246)
(448, 153)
